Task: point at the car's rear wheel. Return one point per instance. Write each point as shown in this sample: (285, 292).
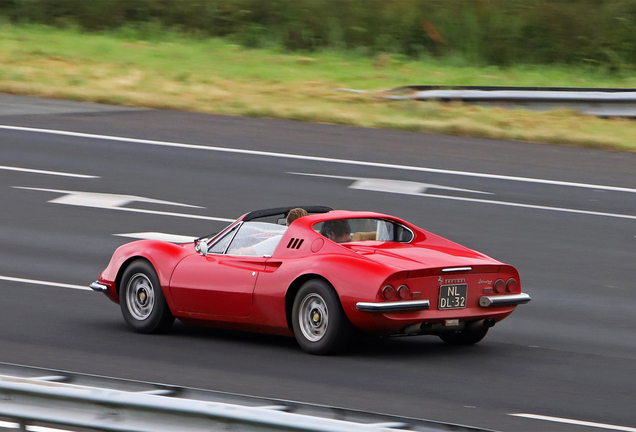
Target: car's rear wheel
(141, 299)
(468, 336)
(319, 323)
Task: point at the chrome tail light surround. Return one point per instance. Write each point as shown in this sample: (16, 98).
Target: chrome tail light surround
(388, 292)
(499, 286)
(403, 292)
(511, 285)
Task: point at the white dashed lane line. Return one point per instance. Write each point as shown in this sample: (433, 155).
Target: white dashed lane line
(45, 283)
(53, 173)
(171, 238)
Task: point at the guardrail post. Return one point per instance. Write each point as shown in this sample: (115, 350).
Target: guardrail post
(22, 425)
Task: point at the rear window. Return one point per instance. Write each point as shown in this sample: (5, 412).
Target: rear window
(346, 230)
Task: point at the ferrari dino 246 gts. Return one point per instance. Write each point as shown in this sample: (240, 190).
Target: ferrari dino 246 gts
(322, 279)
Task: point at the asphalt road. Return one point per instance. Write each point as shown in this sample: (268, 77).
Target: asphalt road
(565, 217)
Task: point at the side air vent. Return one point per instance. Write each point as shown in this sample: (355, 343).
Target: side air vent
(295, 243)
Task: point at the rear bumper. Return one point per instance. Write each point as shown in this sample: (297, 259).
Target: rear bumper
(504, 300)
(398, 306)
(416, 305)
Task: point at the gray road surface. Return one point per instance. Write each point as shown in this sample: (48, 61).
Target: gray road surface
(565, 217)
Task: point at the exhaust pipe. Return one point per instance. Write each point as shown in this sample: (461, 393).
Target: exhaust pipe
(482, 323)
(416, 328)
(430, 328)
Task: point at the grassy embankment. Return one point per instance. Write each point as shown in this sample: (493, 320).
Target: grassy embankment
(213, 76)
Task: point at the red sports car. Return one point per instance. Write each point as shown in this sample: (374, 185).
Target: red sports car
(318, 278)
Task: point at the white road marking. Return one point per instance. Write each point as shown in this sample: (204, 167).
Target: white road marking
(113, 202)
(100, 200)
(391, 186)
(172, 238)
(485, 201)
(576, 422)
(55, 173)
(45, 429)
(181, 215)
(9, 425)
(46, 283)
(319, 159)
(531, 206)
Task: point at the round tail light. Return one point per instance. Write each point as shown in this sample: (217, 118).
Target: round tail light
(388, 292)
(499, 286)
(511, 285)
(403, 292)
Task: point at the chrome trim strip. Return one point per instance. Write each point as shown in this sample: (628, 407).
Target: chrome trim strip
(96, 286)
(410, 230)
(220, 236)
(456, 269)
(236, 230)
(397, 306)
(504, 300)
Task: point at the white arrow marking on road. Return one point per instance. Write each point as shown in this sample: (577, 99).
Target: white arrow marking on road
(171, 238)
(391, 186)
(400, 186)
(55, 173)
(115, 202)
(413, 191)
(100, 200)
(576, 422)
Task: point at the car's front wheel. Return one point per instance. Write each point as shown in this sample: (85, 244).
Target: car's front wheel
(319, 323)
(141, 299)
(468, 336)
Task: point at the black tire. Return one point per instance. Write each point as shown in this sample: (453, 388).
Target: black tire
(468, 336)
(141, 299)
(320, 325)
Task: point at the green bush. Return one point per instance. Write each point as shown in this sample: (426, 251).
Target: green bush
(496, 32)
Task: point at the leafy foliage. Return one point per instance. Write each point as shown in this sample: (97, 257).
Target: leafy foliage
(495, 32)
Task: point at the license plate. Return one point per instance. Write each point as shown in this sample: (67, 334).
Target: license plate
(452, 296)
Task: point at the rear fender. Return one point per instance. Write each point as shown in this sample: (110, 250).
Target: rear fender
(336, 270)
(290, 295)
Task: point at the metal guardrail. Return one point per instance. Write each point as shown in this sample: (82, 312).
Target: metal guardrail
(31, 396)
(410, 88)
(602, 102)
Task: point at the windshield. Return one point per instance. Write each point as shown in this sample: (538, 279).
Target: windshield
(256, 239)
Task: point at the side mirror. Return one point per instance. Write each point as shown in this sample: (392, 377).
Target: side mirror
(203, 247)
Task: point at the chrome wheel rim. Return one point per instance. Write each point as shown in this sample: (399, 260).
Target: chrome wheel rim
(313, 317)
(140, 296)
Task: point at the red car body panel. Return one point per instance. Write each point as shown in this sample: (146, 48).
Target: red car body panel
(255, 293)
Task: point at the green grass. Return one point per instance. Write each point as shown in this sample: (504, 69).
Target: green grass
(215, 76)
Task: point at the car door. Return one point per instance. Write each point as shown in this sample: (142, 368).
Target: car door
(216, 284)
(222, 281)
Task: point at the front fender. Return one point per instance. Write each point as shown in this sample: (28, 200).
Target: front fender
(162, 256)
